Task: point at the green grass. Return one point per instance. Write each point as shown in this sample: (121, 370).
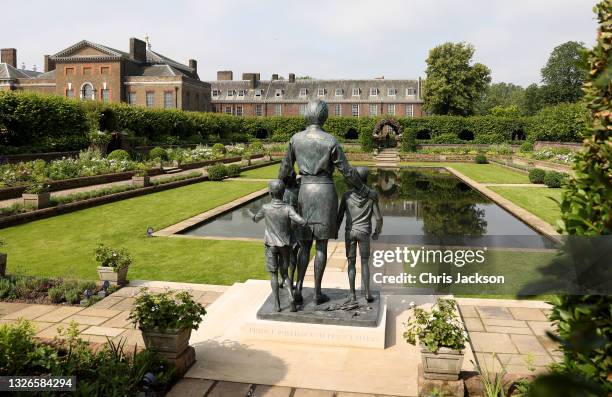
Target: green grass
(63, 245)
(483, 173)
(537, 200)
(268, 172)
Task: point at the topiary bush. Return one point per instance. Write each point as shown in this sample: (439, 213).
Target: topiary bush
(480, 159)
(233, 170)
(219, 149)
(554, 179)
(158, 153)
(119, 155)
(217, 172)
(536, 175)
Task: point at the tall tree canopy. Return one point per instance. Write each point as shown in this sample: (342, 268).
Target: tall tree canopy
(453, 84)
(563, 72)
(500, 95)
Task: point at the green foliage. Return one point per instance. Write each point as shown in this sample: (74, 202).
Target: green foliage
(453, 84)
(108, 257)
(564, 122)
(217, 172)
(447, 137)
(219, 149)
(563, 72)
(501, 96)
(256, 147)
(158, 153)
(536, 175)
(554, 179)
(233, 170)
(72, 296)
(526, 147)
(56, 294)
(441, 327)
(505, 111)
(409, 140)
(480, 159)
(166, 311)
(37, 188)
(118, 154)
(7, 289)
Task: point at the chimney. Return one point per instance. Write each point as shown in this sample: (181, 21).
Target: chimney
(49, 64)
(275, 76)
(9, 55)
(225, 75)
(253, 78)
(138, 50)
(292, 77)
(193, 64)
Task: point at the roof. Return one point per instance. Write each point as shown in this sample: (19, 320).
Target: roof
(291, 90)
(107, 51)
(8, 72)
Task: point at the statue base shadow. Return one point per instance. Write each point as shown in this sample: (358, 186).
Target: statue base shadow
(337, 311)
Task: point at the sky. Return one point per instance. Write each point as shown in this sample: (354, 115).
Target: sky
(335, 39)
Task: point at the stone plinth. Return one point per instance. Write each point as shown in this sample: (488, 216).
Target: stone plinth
(451, 388)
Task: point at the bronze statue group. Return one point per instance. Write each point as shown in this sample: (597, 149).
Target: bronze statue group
(306, 210)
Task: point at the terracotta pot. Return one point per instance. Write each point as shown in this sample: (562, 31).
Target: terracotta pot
(169, 343)
(3, 265)
(108, 274)
(444, 364)
(141, 181)
(36, 200)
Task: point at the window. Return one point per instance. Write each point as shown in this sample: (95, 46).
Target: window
(302, 109)
(258, 110)
(278, 93)
(216, 93)
(303, 92)
(337, 110)
(391, 92)
(258, 93)
(410, 110)
(391, 110)
(230, 93)
(228, 110)
(214, 108)
(321, 91)
(238, 110)
(241, 94)
(104, 70)
(87, 91)
(69, 71)
(373, 91)
(373, 110)
(356, 92)
(278, 109)
(150, 99)
(355, 110)
(131, 98)
(105, 95)
(70, 93)
(168, 100)
(339, 92)
(409, 91)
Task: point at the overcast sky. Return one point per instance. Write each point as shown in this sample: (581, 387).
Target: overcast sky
(320, 38)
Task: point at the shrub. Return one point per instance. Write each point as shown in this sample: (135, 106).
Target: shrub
(233, 170)
(217, 172)
(526, 147)
(72, 296)
(536, 175)
(447, 138)
(480, 159)
(119, 154)
(565, 122)
(56, 294)
(554, 179)
(166, 311)
(7, 289)
(256, 147)
(158, 153)
(219, 149)
(108, 257)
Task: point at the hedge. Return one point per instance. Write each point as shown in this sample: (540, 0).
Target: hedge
(32, 122)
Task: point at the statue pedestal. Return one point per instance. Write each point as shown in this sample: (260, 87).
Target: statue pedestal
(331, 323)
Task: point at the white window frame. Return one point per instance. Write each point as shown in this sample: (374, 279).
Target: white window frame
(258, 93)
(356, 91)
(374, 107)
(168, 105)
(391, 92)
(259, 109)
(303, 92)
(147, 99)
(320, 91)
(391, 109)
(410, 91)
(241, 94)
(230, 93)
(410, 110)
(373, 91)
(131, 98)
(278, 109)
(353, 113)
(216, 93)
(239, 111)
(339, 92)
(302, 109)
(231, 111)
(337, 109)
(107, 92)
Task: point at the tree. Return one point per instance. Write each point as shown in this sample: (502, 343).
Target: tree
(500, 95)
(563, 74)
(532, 100)
(453, 84)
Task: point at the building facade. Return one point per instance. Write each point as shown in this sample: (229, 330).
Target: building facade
(251, 96)
(92, 71)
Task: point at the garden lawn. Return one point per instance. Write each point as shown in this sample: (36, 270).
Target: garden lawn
(537, 200)
(63, 245)
(483, 173)
(268, 172)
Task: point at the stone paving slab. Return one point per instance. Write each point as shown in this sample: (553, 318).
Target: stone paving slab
(188, 387)
(86, 320)
(30, 312)
(272, 391)
(104, 331)
(59, 314)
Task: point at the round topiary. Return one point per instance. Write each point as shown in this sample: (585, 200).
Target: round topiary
(158, 153)
(233, 170)
(480, 159)
(217, 172)
(536, 175)
(119, 155)
(219, 148)
(554, 179)
(526, 147)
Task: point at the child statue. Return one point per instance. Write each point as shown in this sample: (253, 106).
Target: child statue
(292, 189)
(359, 211)
(278, 217)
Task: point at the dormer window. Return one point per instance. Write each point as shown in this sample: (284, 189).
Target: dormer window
(230, 93)
(241, 93)
(321, 91)
(356, 92)
(258, 93)
(409, 91)
(391, 92)
(278, 93)
(339, 91)
(373, 91)
(216, 93)
(303, 92)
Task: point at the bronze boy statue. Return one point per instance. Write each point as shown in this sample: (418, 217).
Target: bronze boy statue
(359, 211)
(278, 216)
(292, 189)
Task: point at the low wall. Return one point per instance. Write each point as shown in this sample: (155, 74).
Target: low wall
(543, 145)
(417, 157)
(545, 165)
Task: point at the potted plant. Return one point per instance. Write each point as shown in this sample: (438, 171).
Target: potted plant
(112, 264)
(141, 176)
(36, 195)
(441, 337)
(166, 320)
(99, 140)
(2, 260)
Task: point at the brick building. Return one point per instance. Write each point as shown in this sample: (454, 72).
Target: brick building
(93, 71)
(251, 96)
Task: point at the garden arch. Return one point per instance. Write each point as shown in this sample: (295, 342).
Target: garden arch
(387, 133)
